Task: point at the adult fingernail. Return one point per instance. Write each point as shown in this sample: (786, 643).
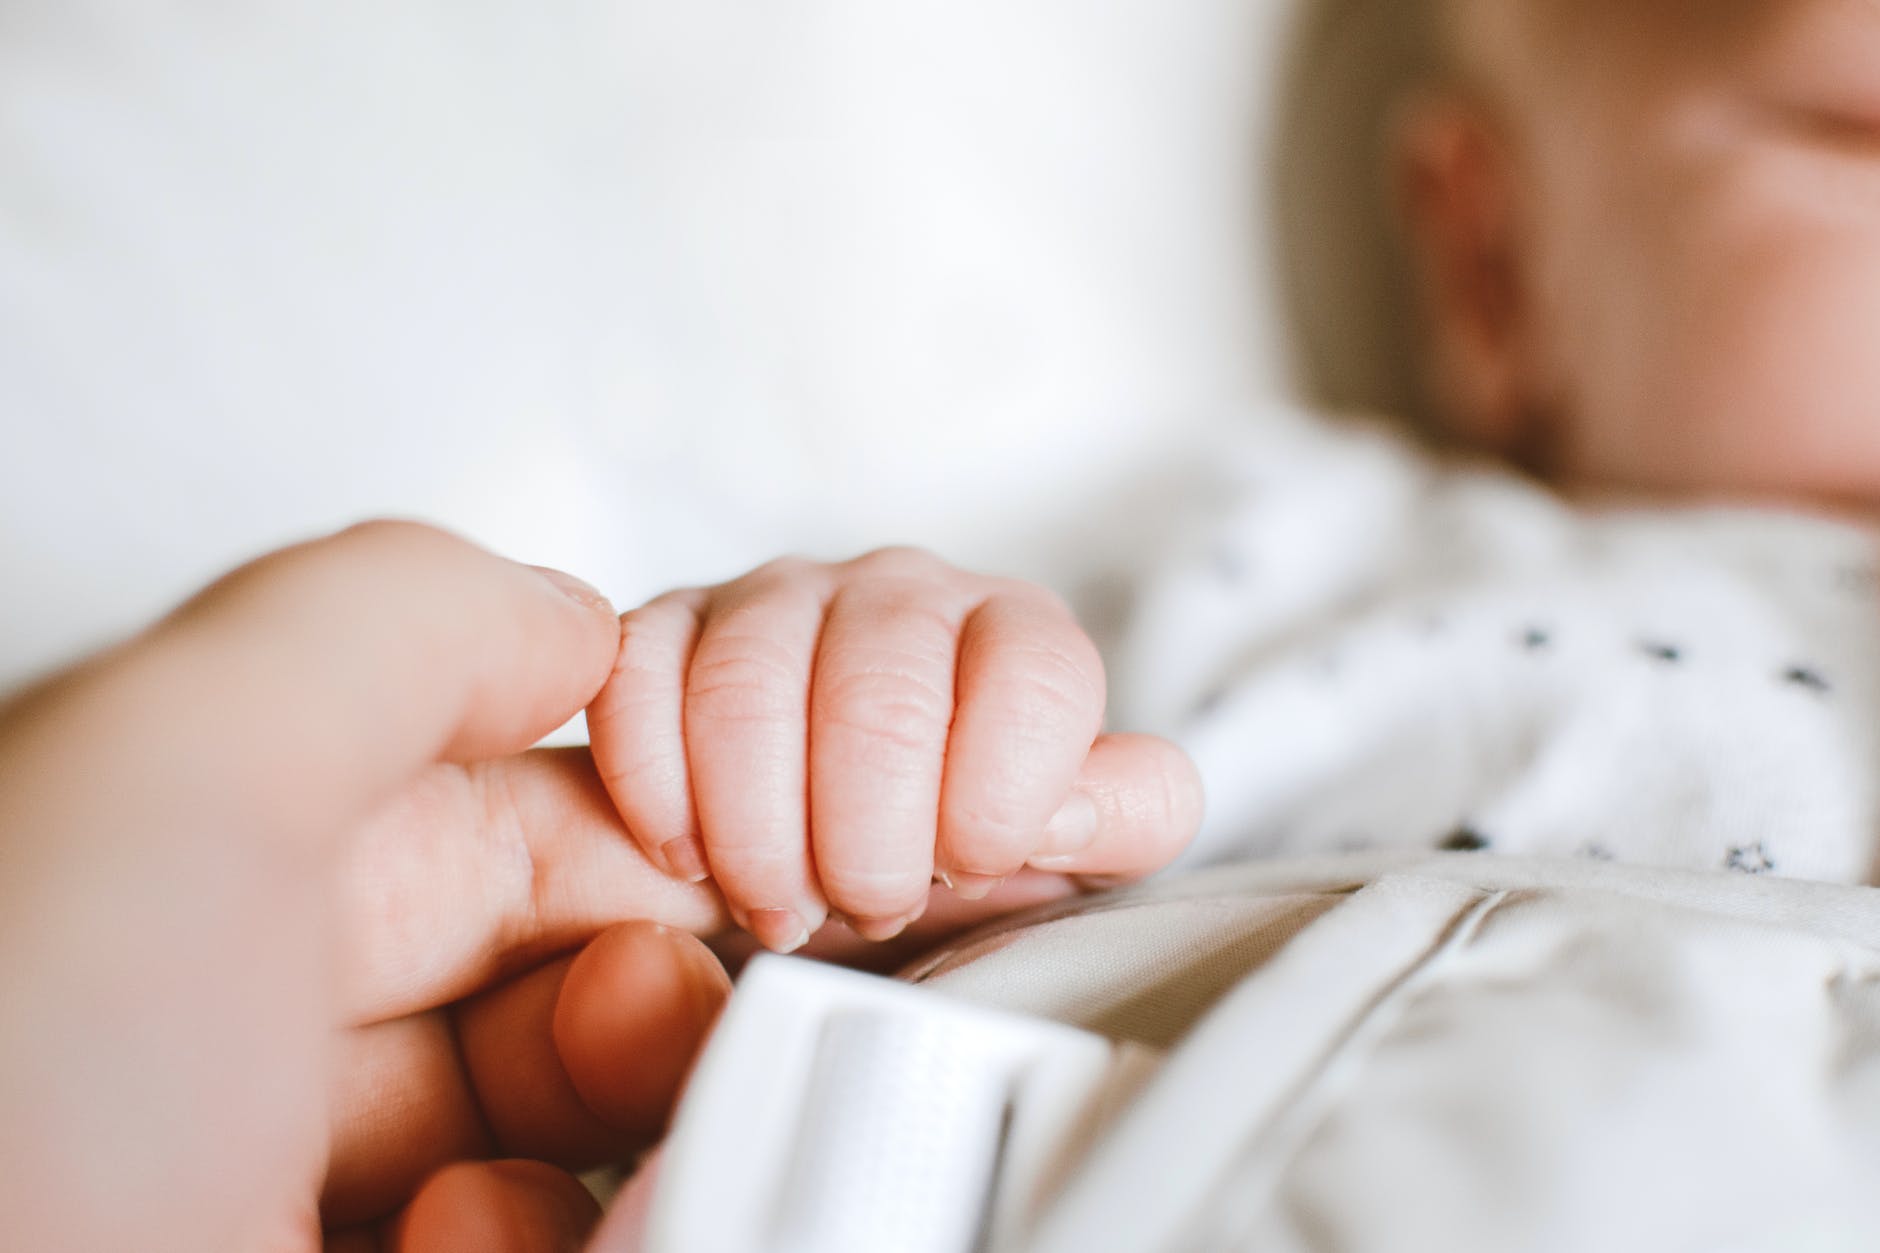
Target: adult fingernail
(685, 859)
(974, 887)
(584, 594)
(779, 930)
(1072, 829)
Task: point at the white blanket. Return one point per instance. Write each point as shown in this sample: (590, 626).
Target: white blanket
(1467, 1053)
(1393, 1053)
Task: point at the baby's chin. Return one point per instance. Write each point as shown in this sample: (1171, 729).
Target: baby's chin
(1848, 509)
(1855, 510)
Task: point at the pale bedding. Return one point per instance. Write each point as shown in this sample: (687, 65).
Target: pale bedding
(1385, 1053)
(1467, 1053)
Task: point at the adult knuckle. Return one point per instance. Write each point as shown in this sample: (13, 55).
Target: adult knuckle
(512, 872)
(358, 565)
(403, 540)
(394, 531)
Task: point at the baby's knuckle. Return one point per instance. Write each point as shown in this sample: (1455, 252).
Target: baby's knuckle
(1021, 592)
(743, 682)
(899, 559)
(899, 710)
(982, 838)
(923, 626)
(1045, 689)
(645, 770)
(641, 631)
(1078, 653)
(789, 568)
(655, 637)
(621, 701)
(1053, 600)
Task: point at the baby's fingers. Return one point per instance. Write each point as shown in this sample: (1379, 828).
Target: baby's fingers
(878, 734)
(747, 698)
(637, 726)
(1030, 702)
(1136, 805)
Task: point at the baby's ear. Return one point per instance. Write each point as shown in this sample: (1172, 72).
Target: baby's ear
(1457, 194)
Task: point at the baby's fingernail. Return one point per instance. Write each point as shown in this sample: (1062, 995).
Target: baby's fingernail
(584, 594)
(685, 859)
(779, 930)
(1072, 829)
(881, 930)
(974, 887)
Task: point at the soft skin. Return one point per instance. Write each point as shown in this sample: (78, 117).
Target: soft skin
(304, 948)
(1649, 242)
(818, 738)
(244, 1008)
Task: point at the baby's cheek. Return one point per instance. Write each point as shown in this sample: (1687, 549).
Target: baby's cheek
(1762, 374)
(1792, 369)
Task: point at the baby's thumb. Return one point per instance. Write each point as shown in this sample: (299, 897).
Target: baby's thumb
(1136, 805)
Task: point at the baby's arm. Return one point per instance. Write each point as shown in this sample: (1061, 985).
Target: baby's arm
(835, 737)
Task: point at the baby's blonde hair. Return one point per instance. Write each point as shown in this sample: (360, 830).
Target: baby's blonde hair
(1348, 286)
(1344, 272)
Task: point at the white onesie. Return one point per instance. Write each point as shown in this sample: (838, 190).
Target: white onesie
(1367, 648)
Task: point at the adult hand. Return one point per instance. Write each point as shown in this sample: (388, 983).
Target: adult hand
(289, 921)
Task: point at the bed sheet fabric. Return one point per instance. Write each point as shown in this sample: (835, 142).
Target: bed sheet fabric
(652, 291)
(1364, 646)
(1423, 1052)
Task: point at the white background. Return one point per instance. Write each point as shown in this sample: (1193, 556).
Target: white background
(649, 290)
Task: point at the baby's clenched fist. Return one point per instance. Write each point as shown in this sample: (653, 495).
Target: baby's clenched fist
(836, 737)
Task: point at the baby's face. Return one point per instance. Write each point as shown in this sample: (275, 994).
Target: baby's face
(1696, 239)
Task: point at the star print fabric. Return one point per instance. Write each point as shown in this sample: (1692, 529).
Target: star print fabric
(1367, 647)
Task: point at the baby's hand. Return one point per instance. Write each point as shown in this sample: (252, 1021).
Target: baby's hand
(820, 737)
